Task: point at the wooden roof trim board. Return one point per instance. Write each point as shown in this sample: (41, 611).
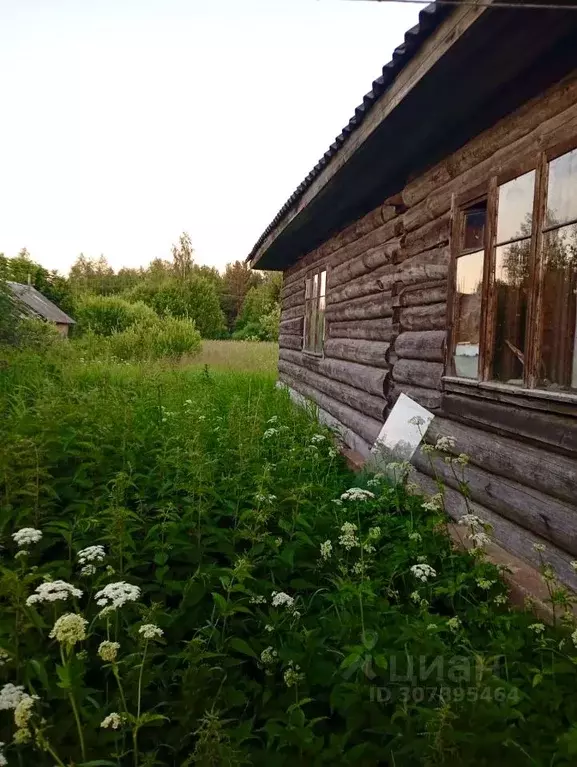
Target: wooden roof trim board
(431, 50)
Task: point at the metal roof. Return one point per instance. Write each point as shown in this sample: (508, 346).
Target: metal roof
(39, 304)
(429, 19)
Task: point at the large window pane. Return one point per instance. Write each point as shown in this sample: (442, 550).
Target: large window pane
(515, 211)
(474, 228)
(558, 367)
(562, 192)
(468, 314)
(511, 286)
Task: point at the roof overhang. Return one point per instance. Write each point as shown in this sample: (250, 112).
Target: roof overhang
(456, 75)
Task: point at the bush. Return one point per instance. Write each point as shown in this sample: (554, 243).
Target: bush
(105, 315)
(34, 333)
(167, 337)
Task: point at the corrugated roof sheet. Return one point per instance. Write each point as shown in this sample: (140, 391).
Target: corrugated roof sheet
(429, 19)
(39, 304)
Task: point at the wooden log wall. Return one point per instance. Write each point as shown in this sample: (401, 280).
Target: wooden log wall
(386, 329)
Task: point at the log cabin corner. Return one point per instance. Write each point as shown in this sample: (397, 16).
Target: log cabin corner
(433, 251)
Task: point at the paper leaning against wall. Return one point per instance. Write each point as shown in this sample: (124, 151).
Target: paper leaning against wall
(401, 434)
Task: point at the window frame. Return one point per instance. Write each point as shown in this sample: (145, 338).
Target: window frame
(318, 349)
(460, 203)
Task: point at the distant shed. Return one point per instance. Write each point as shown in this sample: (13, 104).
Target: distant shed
(34, 304)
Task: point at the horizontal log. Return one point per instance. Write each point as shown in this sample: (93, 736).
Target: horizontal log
(371, 380)
(549, 429)
(365, 308)
(434, 294)
(296, 299)
(371, 330)
(373, 353)
(379, 279)
(429, 398)
(366, 262)
(425, 267)
(542, 470)
(529, 508)
(431, 235)
(431, 317)
(290, 342)
(512, 537)
(422, 345)
(293, 313)
(291, 327)
(366, 427)
(289, 290)
(368, 404)
(343, 433)
(418, 373)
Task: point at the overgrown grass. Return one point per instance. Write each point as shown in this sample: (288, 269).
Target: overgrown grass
(249, 356)
(299, 625)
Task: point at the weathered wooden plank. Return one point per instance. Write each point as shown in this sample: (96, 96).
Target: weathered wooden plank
(366, 427)
(369, 379)
(292, 313)
(296, 299)
(365, 308)
(433, 294)
(430, 317)
(358, 350)
(548, 472)
(366, 262)
(290, 342)
(555, 431)
(289, 290)
(379, 279)
(291, 327)
(516, 539)
(422, 345)
(431, 235)
(425, 267)
(527, 507)
(369, 404)
(429, 398)
(371, 330)
(418, 373)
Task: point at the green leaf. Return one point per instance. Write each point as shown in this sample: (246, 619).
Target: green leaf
(242, 646)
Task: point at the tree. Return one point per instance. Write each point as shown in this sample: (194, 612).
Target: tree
(183, 257)
(238, 279)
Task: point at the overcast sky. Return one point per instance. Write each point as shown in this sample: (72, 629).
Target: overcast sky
(125, 122)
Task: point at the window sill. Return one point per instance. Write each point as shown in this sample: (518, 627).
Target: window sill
(540, 399)
(313, 354)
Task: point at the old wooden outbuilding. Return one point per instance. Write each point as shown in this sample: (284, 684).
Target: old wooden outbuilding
(433, 251)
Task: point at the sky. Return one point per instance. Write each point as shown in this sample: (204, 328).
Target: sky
(126, 122)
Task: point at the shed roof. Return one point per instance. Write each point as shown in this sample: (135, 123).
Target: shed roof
(38, 304)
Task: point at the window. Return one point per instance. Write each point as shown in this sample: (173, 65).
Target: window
(314, 326)
(515, 280)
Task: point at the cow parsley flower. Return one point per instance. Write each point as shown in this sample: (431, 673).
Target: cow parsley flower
(262, 498)
(479, 539)
(53, 591)
(3, 760)
(445, 444)
(108, 651)
(316, 439)
(485, 583)
(538, 628)
(333, 452)
(269, 433)
(112, 721)
(69, 629)
(150, 631)
(357, 494)
(423, 572)
(274, 419)
(4, 657)
(91, 554)
(500, 599)
(10, 696)
(435, 503)
(88, 570)
(427, 449)
(538, 547)
(415, 596)
(27, 535)
(374, 533)
(115, 595)
(472, 520)
(415, 537)
(292, 676)
(268, 656)
(269, 628)
(454, 623)
(257, 599)
(280, 598)
(326, 549)
(573, 565)
(348, 539)
(23, 711)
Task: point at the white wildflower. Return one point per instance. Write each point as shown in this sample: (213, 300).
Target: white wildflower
(21, 736)
(150, 631)
(574, 637)
(431, 626)
(257, 599)
(369, 548)
(108, 651)
(337, 502)
(278, 541)
(27, 535)
(454, 623)
(462, 459)
(435, 503)
(268, 656)
(274, 419)
(53, 591)
(4, 657)
(359, 568)
(445, 444)
(292, 676)
(269, 433)
(427, 449)
(415, 537)
(500, 599)
(269, 628)
(91, 554)
(280, 599)
(415, 596)
(296, 614)
(399, 469)
(21, 554)
(326, 549)
(573, 565)
(333, 452)
(373, 482)
(485, 583)
(69, 629)
(23, 711)
(479, 539)
(264, 498)
(357, 494)
(3, 760)
(423, 572)
(348, 539)
(316, 439)
(115, 595)
(538, 628)
(112, 721)
(10, 696)
(88, 570)
(374, 533)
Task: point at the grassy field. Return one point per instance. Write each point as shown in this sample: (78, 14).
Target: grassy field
(190, 575)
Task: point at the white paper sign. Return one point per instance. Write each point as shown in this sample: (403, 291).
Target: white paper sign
(403, 430)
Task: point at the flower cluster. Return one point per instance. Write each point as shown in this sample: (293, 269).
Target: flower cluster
(485, 583)
(3, 760)
(150, 631)
(348, 539)
(454, 623)
(538, 628)
(262, 498)
(269, 433)
(357, 494)
(108, 651)
(423, 572)
(26, 535)
(10, 696)
(374, 533)
(268, 656)
(91, 554)
(316, 439)
(112, 721)
(445, 444)
(23, 711)
(292, 676)
(478, 526)
(326, 549)
(115, 595)
(69, 629)
(280, 599)
(257, 599)
(4, 657)
(53, 591)
(435, 503)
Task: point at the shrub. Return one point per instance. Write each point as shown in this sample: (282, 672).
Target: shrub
(34, 333)
(105, 315)
(166, 337)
